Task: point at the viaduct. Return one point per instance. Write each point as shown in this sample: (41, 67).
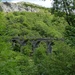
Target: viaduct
(35, 42)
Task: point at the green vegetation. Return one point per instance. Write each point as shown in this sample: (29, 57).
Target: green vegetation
(18, 60)
(67, 8)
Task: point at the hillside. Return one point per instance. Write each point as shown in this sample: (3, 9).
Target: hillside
(18, 59)
(20, 6)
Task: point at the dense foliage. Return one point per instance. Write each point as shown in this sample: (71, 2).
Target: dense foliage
(67, 9)
(28, 25)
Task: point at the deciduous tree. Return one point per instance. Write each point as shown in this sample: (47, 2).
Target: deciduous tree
(68, 8)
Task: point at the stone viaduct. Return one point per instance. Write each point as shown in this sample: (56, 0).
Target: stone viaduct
(35, 42)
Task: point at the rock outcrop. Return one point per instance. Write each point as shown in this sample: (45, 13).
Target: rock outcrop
(11, 7)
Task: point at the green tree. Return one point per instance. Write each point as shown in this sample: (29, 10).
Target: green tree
(67, 7)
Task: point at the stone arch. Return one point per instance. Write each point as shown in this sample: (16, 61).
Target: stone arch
(34, 43)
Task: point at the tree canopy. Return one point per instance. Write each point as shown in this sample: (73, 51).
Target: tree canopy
(67, 7)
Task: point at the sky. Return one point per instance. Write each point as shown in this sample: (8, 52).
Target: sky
(46, 3)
